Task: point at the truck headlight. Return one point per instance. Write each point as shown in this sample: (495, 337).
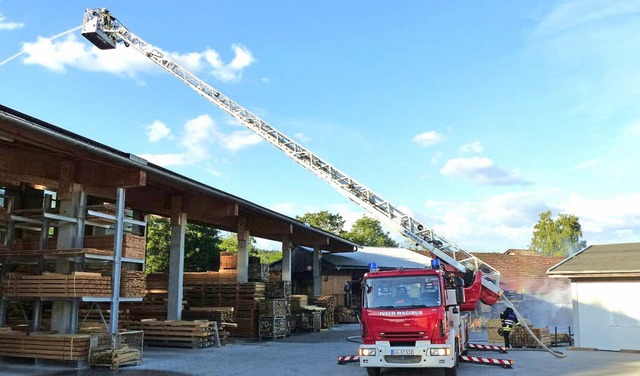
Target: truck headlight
(367, 352)
(442, 351)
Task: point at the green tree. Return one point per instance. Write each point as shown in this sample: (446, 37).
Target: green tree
(324, 220)
(368, 231)
(230, 244)
(201, 246)
(559, 237)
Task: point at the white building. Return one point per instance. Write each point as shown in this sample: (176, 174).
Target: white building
(605, 280)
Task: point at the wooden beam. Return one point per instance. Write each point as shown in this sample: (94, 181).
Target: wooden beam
(65, 188)
(92, 173)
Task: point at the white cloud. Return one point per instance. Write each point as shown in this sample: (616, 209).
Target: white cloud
(302, 137)
(473, 147)
(607, 218)
(7, 25)
(480, 170)
(428, 138)
(69, 52)
(240, 140)
(157, 130)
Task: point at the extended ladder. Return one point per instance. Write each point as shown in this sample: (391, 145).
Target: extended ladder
(408, 226)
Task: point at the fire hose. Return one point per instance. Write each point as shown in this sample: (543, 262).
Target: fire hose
(524, 324)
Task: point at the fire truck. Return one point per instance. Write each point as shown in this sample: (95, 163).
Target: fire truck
(421, 324)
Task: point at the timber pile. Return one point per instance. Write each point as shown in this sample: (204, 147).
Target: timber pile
(345, 315)
(206, 278)
(44, 346)
(275, 307)
(173, 333)
(133, 284)
(306, 321)
(228, 260)
(278, 290)
(329, 303)
(274, 327)
(222, 315)
(520, 337)
(56, 285)
(133, 246)
(114, 358)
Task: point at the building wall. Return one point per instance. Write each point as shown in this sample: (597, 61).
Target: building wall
(606, 315)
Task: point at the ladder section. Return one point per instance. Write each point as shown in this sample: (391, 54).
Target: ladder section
(408, 226)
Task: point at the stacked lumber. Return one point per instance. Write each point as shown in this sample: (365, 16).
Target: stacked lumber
(33, 243)
(306, 321)
(133, 284)
(56, 285)
(297, 302)
(176, 333)
(152, 306)
(242, 296)
(247, 324)
(520, 337)
(228, 260)
(329, 303)
(205, 278)
(44, 346)
(344, 315)
(125, 348)
(221, 315)
(278, 290)
(133, 246)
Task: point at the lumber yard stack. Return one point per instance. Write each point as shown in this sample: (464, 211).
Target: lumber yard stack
(305, 317)
(223, 316)
(125, 348)
(520, 337)
(176, 333)
(328, 315)
(44, 346)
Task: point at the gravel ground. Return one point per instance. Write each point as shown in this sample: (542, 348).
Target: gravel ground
(315, 354)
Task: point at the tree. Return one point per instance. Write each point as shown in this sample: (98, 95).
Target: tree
(560, 237)
(324, 220)
(201, 246)
(230, 244)
(368, 231)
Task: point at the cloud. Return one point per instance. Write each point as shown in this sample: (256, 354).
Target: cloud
(302, 137)
(157, 130)
(480, 170)
(69, 52)
(7, 25)
(429, 138)
(240, 140)
(607, 219)
(473, 147)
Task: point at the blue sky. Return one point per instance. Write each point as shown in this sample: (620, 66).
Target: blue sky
(475, 116)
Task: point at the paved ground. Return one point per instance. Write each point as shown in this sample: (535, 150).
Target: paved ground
(315, 354)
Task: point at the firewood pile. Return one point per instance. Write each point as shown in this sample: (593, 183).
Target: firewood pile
(344, 315)
(278, 290)
(259, 272)
(275, 307)
(113, 352)
(298, 301)
(329, 303)
(176, 333)
(308, 321)
(44, 346)
(221, 315)
(274, 327)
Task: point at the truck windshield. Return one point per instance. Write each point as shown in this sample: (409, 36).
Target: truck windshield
(402, 292)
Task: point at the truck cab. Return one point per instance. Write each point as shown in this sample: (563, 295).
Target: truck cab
(411, 319)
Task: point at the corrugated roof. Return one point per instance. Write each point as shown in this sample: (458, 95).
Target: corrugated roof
(601, 260)
(383, 257)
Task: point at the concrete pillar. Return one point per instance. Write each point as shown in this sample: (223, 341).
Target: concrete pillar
(116, 271)
(64, 312)
(243, 251)
(286, 258)
(317, 270)
(176, 260)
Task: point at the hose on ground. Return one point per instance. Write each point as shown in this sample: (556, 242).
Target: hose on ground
(524, 324)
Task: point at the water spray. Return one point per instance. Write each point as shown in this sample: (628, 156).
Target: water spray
(49, 39)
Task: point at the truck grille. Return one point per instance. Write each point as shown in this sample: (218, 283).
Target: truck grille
(402, 359)
(388, 335)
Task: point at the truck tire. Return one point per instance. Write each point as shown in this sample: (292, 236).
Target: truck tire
(453, 371)
(373, 371)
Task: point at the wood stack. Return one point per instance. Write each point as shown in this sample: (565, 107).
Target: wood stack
(345, 315)
(44, 346)
(206, 278)
(298, 301)
(56, 285)
(278, 290)
(113, 352)
(520, 337)
(133, 246)
(307, 321)
(228, 260)
(275, 307)
(329, 303)
(274, 327)
(170, 333)
(259, 272)
(221, 315)
(133, 284)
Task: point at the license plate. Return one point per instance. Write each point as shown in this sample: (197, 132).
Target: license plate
(402, 352)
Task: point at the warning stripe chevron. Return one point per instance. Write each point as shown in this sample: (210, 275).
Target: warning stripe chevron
(475, 346)
(348, 359)
(491, 361)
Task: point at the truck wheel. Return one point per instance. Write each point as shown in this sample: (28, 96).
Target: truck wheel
(453, 371)
(373, 371)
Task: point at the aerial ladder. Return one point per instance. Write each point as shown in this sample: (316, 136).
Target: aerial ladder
(105, 32)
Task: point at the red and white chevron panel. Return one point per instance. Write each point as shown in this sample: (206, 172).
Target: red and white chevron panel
(475, 346)
(348, 359)
(490, 361)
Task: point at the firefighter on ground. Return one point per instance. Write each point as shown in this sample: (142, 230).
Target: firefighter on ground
(509, 320)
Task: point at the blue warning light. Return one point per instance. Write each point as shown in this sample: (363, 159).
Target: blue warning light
(373, 266)
(435, 263)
